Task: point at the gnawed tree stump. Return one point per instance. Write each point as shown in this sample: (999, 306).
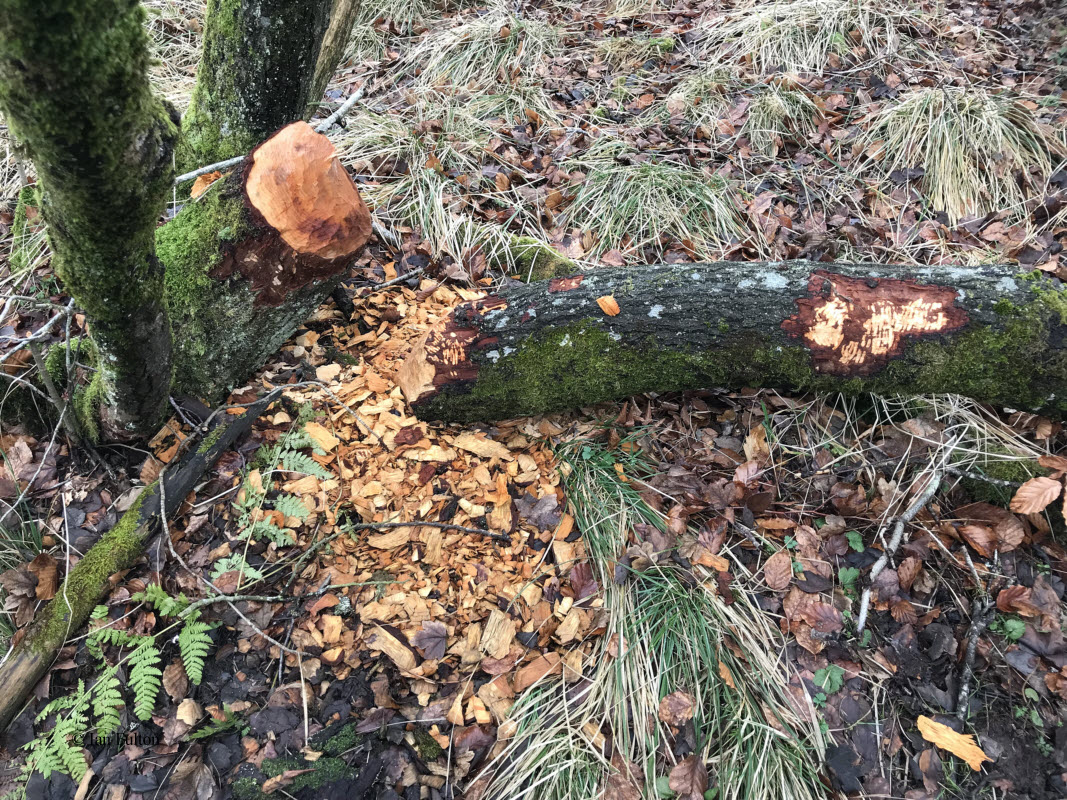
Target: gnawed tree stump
(986, 332)
(253, 257)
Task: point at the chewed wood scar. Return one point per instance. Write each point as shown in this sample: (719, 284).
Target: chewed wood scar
(855, 326)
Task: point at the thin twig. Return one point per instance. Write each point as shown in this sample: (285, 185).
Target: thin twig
(322, 127)
(981, 616)
(898, 534)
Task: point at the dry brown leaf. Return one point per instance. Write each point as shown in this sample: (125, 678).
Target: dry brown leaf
(778, 571)
(608, 305)
(981, 538)
(1009, 530)
(189, 712)
(689, 779)
(676, 709)
(1054, 463)
(1034, 495)
(281, 781)
(961, 745)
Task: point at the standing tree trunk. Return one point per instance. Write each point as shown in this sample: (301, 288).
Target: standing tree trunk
(255, 255)
(255, 75)
(74, 88)
(986, 332)
(334, 44)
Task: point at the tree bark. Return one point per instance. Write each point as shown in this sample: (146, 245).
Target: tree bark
(74, 89)
(334, 44)
(255, 255)
(255, 75)
(986, 332)
(118, 550)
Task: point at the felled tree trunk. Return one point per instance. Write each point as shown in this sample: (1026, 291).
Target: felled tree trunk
(118, 550)
(74, 89)
(255, 75)
(985, 332)
(253, 257)
(334, 43)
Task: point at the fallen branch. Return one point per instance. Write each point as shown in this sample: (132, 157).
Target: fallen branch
(118, 550)
(988, 333)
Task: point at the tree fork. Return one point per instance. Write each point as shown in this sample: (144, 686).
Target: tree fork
(74, 88)
(256, 72)
(119, 548)
(986, 332)
(334, 43)
(253, 257)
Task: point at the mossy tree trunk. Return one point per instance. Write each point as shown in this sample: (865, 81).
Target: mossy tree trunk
(255, 255)
(334, 44)
(986, 332)
(255, 75)
(74, 89)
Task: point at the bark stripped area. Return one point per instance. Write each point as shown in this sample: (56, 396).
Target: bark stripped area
(986, 332)
(855, 326)
(256, 254)
(444, 357)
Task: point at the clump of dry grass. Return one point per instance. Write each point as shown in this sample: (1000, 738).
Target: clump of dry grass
(801, 35)
(174, 31)
(629, 203)
(776, 115)
(499, 52)
(980, 152)
(425, 165)
(702, 98)
(634, 51)
(663, 634)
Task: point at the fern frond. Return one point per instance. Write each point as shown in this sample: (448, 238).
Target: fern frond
(60, 750)
(145, 676)
(235, 563)
(107, 700)
(97, 639)
(268, 530)
(291, 506)
(301, 462)
(156, 596)
(194, 643)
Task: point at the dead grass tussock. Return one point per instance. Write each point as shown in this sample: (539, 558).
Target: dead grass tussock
(174, 31)
(778, 114)
(415, 158)
(663, 634)
(701, 98)
(634, 51)
(801, 35)
(980, 152)
(630, 202)
(498, 46)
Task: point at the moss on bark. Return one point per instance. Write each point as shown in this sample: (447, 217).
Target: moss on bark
(222, 331)
(74, 89)
(255, 75)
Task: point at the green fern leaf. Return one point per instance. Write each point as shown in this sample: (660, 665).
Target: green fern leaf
(235, 563)
(291, 506)
(145, 676)
(301, 462)
(194, 643)
(271, 532)
(107, 700)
